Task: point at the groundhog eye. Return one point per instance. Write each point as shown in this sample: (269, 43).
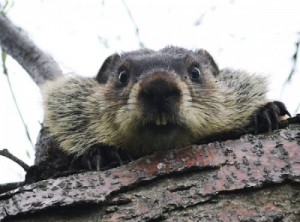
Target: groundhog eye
(123, 76)
(195, 73)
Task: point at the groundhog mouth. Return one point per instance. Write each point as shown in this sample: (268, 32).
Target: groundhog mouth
(160, 125)
(160, 129)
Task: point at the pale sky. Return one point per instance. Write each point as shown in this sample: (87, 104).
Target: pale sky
(254, 35)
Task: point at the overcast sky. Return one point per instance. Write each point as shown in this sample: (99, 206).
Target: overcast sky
(254, 35)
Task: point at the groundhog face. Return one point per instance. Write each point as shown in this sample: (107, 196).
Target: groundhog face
(157, 94)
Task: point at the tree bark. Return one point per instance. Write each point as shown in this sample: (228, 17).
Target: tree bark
(13, 40)
(255, 178)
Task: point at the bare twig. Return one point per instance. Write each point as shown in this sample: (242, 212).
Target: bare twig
(40, 66)
(141, 44)
(202, 16)
(5, 72)
(294, 58)
(6, 7)
(10, 156)
(293, 69)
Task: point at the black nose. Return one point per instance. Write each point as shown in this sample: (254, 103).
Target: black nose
(160, 92)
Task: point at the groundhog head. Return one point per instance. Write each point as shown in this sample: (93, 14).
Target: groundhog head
(157, 97)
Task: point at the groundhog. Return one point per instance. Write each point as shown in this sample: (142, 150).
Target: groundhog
(145, 101)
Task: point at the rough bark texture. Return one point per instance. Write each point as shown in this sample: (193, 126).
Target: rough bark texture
(255, 178)
(14, 41)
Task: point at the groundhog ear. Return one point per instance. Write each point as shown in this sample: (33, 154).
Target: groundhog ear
(208, 61)
(106, 67)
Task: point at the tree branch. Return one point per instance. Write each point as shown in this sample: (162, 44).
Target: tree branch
(253, 173)
(40, 66)
(137, 30)
(5, 72)
(10, 156)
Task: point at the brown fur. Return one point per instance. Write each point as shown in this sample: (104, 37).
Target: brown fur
(81, 112)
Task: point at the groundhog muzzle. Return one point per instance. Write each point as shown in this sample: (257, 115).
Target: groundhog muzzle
(159, 98)
(145, 101)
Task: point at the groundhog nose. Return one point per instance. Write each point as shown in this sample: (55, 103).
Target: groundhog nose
(160, 92)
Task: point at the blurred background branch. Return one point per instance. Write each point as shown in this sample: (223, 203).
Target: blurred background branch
(5, 72)
(137, 30)
(15, 42)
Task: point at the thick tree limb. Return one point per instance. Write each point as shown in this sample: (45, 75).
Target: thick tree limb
(252, 177)
(40, 66)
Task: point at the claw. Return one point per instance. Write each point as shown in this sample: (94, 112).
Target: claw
(98, 162)
(101, 156)
(116, 153)
(92, 159)
(282, 108)
(129, 157)
(268, 117)
(89, 163)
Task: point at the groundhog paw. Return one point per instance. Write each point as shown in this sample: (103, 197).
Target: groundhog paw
(93, 159)
(101, 157)
(267, 118)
